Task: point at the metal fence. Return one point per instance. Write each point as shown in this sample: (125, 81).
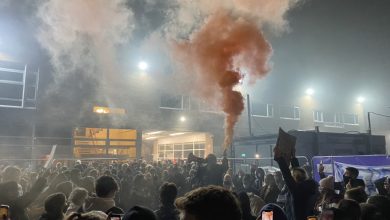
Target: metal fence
(267, 163)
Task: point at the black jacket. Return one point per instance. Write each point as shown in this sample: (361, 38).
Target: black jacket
(303, 193)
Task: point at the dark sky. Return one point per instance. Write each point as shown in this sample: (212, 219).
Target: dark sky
(341, 48)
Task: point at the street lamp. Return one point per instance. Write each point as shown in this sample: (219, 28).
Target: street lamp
(360, 99)
(310, 91)
(143, 65)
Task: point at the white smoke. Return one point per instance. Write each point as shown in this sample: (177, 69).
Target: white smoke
(81, 36)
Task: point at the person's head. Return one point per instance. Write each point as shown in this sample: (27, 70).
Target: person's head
(209, 203)
(369, 212)
(124, 166)
(245, 205)
(327, 184)
(55, 204)
(334, 214)
(88, 183)
(351, 207)
(139, 213)
(211, 159)
(139, 181)
(227, 180)
(278, 177)
(168, 193)
(259, 173)
(277, 211)
(358, 194)
(247, 180)
(382, 203)
(11, 173)
(351, 172)
(230, 171)
(57, 180)
(165, 175)
(299, 174)
(65, 188)
(308, 170)
(10, 190)
(92, 215)
(75, 175)
(269, 180)
(78, 196)
(94, 173)
(106, 187)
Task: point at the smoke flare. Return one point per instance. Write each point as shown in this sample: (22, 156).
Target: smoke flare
(226, 47)
(220, 54)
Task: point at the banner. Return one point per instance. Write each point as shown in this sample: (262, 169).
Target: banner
(371, 168)
(367, 173)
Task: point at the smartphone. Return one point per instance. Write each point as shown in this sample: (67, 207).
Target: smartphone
(267, 215)
(4, 211)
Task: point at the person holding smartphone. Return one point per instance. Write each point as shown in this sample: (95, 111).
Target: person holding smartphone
(4, 212)
(272, 212)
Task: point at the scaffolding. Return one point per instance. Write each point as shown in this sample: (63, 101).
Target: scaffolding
(18, 86)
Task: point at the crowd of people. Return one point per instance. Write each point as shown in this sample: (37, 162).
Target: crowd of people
(197, 189)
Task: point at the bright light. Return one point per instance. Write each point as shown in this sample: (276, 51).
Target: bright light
(143, 65)
(101, 111)
(150, 138)
(154, 132)
(309, 91)
(176, 134)
(257, 156)
(183, 119)
(361, 99)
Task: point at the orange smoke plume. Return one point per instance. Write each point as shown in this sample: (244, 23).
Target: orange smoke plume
(220, 53)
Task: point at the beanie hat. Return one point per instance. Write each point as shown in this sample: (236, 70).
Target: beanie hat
(327, 182)
(55, 202)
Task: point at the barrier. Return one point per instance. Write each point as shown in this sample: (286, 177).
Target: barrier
(266, 163)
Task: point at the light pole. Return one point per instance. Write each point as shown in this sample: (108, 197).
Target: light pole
(369, 122)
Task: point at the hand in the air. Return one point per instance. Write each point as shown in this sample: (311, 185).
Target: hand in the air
(321, 168)
(348, 186)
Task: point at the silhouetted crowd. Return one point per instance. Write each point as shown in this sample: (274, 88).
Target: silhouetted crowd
(199, 190)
